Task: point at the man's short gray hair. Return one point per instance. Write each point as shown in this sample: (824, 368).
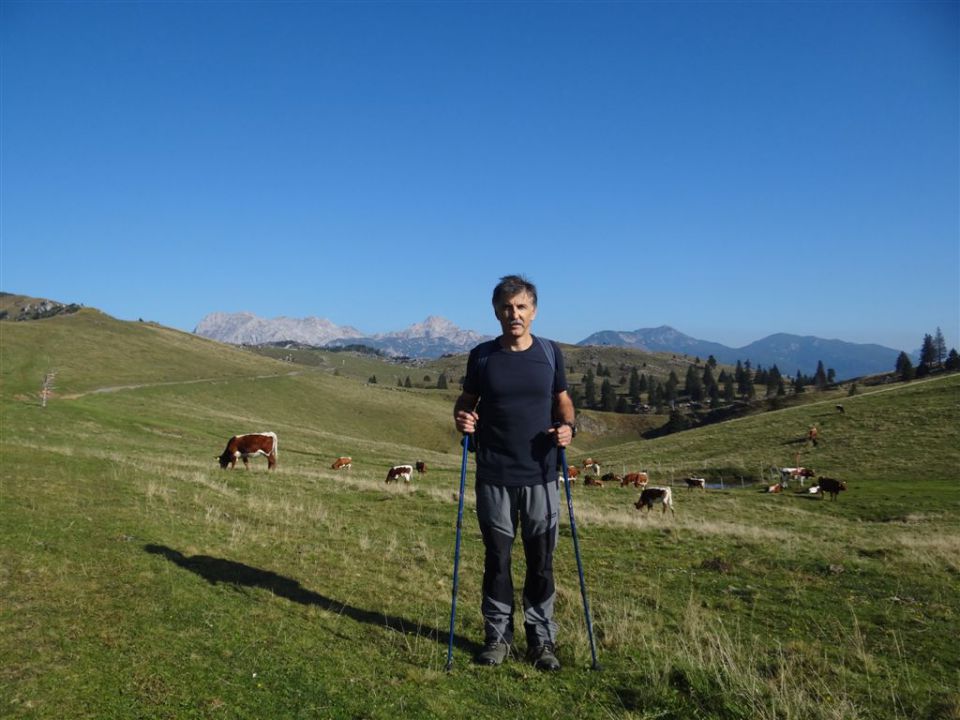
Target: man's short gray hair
(511, 285)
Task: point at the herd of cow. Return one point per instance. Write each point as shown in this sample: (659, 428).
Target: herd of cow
(243, 447)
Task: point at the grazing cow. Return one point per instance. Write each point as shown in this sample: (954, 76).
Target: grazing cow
(637, 479)
(573, 472)
(693, 482)
(399, 472)
(832, 486)
(793, 473)
(591, 465)
(652, 495)
(342, 463)
(247, 446)
(421, 467)
(775, 488)
(593, 480)
(840, 408)
(612, 477)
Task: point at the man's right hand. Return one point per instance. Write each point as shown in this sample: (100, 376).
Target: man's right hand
(466, 421)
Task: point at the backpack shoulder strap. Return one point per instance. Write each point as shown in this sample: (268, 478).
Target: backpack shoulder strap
(483, 352)
(549, 349)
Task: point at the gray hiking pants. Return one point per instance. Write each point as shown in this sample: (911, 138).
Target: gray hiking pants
(499, 509)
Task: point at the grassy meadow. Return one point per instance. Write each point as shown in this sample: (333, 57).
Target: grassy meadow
(138, 580)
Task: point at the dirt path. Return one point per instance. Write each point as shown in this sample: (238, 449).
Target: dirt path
(120, 388)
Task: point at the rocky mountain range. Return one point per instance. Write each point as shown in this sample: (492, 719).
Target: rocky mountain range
(437, 336)
(432, 338)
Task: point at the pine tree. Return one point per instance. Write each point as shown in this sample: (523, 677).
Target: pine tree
(728, 393)
(904, 367)
(928, 351)
(407, 383)
(608, 397)
(670, 389)
(940, 346)
(712, 362)
(820, 377)
(576, 396)
(623, 405)
(693, 384)
(634, 390)
(372, 380)
(953, 360)
(442, 382)
(589, 390)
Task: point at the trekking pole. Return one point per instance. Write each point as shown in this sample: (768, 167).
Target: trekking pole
(456, 553)
(576, 550)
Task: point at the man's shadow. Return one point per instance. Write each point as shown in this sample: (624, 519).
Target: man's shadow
(217, 570)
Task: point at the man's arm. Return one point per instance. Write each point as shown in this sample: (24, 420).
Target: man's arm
(563, 412)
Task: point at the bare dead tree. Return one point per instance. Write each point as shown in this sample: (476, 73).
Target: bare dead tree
(46, 389)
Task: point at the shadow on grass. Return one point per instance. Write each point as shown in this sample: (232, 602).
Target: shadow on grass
(217, 570)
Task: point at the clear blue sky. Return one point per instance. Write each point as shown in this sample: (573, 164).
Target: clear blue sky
(732, 169)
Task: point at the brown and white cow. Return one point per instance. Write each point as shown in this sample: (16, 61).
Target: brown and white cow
(612, 477)
(695, 482)
(421, 467)
(342, 463)
(651, 495)
(592, 481)
(399, 472)
(573, 472)
(795, 473)
(637, 479)
(247, 446)
(591, 465)
(832, 486)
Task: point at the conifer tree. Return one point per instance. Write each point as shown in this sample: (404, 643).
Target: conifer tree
(953, 360)
(589, 390)
(728, 393)
(576, 396)
(608, 397)
(820, 377)
(670, 389)
(939, 346)
(634, 390)
(928, 351)
(442, 382)
(693, 384)
(904, 367)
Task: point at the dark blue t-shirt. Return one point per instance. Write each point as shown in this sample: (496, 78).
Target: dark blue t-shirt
(516, 392)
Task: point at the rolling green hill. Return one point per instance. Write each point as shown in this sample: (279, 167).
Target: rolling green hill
(137, 579)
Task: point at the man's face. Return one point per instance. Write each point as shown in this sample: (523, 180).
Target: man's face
(516, 314)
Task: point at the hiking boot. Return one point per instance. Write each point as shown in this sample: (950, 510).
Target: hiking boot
(542, 657)
(493, 653)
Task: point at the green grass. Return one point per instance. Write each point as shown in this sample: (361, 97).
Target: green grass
(139, 580)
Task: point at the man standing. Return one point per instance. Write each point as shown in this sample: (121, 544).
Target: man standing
(516, 406)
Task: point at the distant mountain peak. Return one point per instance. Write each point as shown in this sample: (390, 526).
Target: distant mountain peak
(788, 352)
(434, 337)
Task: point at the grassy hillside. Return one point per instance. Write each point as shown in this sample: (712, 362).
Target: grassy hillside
(139, 580)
